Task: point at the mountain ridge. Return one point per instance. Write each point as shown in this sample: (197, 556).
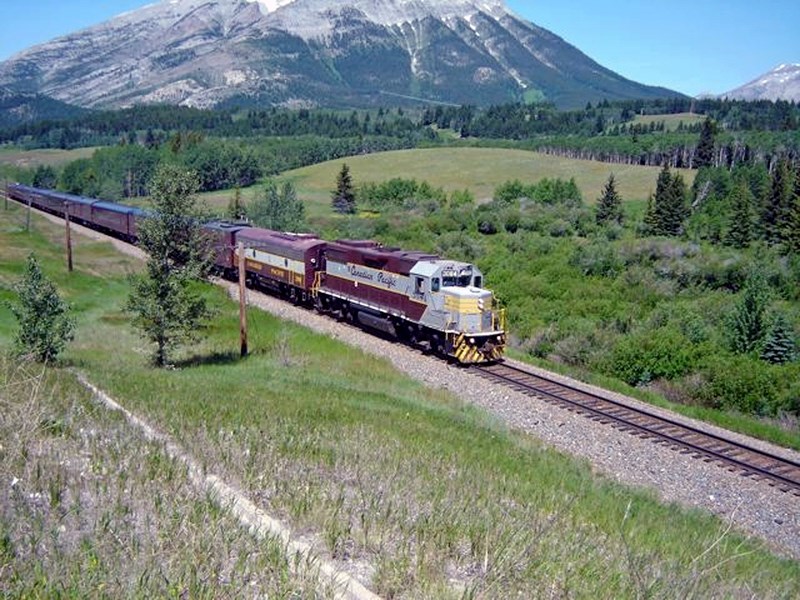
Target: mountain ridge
(311, 52)
(781, 83)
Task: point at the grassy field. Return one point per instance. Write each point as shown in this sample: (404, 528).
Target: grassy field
(46, 156)
(671, 122)
(479, 170)
(438, 499)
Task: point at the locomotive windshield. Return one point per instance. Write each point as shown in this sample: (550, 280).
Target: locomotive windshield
(453, 278)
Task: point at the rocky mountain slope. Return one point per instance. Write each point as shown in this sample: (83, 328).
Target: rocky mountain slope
(315, 52)
(782, 83)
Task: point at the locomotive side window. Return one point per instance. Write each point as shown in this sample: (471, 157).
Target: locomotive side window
(478, 281)
(435, 285)
(419, 285)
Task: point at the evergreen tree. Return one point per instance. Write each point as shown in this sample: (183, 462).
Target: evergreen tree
(793, 217)
(704, 155)
(740, 232)
(748, 322)
(677, 206)
(343, 197)
(278, 208)
(650, 217)
(166, 308)
(236, 208)
(777, 208)
(609, 205)
(780, 345)
(668, 209)
(45, 325)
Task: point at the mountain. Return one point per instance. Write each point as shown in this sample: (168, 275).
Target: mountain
(316, 52)
(782, 83)
(16, 108)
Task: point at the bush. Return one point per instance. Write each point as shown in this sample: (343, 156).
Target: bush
(597, 258)
(739, 383)
(664, 353)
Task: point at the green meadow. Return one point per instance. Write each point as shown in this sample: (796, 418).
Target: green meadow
(480, 170)
(436, 498)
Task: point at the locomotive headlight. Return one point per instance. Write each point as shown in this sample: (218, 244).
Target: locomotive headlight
(472, 341)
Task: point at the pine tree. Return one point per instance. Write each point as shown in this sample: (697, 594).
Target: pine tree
(676, 206)
(236, 208)
(650, 217)
(165, 307)
(668, 209)
(748, 323)
(609, 205)
(343, 197)
(780, 345)
(777, 208)
(740, 232)
(45, 325)
(704, 155)
(793, 217)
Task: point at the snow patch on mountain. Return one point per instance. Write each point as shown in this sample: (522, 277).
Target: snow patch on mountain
(270, 6)
(781, 83)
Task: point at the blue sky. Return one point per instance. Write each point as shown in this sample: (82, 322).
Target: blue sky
(689, 46)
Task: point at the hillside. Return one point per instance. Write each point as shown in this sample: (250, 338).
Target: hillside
(418, 492)
(479, 170)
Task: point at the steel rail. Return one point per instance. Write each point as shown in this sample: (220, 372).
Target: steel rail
(777, 471)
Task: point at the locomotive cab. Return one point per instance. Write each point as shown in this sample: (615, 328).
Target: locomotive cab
(459, 307)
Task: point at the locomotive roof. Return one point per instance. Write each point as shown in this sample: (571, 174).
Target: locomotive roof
(287, 244)
(372, 254)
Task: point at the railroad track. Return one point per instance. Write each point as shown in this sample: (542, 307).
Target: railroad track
(776, 471)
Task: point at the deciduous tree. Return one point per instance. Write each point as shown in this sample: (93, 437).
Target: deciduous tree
(278, 208)
(166, 308)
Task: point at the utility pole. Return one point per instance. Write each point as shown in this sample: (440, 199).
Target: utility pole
(28, 217)
(5, 190)
(242, 300)
(69, 237)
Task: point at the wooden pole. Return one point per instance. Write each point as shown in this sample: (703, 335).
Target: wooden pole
(5, 197)
(28, 217)
(69, 237)
(242, 301)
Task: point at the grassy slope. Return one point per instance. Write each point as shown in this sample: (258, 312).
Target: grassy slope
(438, 497)
(45, 156)
(671, 122)
(479, 170)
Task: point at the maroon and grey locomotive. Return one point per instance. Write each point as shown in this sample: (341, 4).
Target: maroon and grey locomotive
(417, 297)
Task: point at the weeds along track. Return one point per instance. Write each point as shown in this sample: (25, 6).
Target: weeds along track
(776, 471)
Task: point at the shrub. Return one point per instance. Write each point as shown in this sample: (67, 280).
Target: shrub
(664, 353)
(739, 383)
(597, 258)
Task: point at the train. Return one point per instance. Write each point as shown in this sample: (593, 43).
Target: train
(419, 298)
